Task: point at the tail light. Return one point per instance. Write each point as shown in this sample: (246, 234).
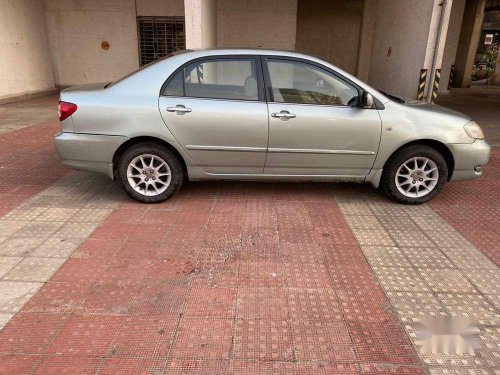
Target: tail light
(65, 110)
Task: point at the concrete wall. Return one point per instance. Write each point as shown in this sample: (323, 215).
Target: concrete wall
(343, 32)
(403, 27)
(256, 23)
(25, 65)
(76, 29)
(450, 49)
(366, 40)
(164, 8)
(329, 29)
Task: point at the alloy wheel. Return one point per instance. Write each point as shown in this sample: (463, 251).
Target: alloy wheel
(148, 174)
(417, 177)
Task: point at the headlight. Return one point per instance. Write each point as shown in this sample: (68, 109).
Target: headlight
(473, 130)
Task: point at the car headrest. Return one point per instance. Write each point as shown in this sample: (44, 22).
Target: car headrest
(251, 91)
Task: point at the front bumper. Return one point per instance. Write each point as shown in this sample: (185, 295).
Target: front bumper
(468, 157)
(89, 152)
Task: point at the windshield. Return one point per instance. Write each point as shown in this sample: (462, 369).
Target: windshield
(147, 65)
(394, 98)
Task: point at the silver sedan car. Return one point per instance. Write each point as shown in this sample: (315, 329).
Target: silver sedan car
(253, 114)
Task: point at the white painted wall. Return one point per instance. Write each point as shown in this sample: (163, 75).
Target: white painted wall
(257, 23)
(25, 65)
(450, 49)
(403, 26)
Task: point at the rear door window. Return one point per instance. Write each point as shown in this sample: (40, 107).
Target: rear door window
(175, 86)
(226, 78)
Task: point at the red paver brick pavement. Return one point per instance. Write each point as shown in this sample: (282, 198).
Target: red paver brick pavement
(473, 208)
(28, 164)
(225, 277)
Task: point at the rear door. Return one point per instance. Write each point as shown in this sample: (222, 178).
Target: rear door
(215, 108)
(315, 124)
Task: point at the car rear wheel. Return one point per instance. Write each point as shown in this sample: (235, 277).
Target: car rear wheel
(415, 175)
(150, 173)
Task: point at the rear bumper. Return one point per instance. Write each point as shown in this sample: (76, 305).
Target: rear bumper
(468, 157)
(89, 152)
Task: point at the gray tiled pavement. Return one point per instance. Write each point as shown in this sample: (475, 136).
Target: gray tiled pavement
(427, 268)
(38, 236)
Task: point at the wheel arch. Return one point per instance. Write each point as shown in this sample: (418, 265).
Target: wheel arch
(141, 139)
(436, 145)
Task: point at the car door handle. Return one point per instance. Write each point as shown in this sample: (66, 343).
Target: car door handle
(283, 115)
(178, 109)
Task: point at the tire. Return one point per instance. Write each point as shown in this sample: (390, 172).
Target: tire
(167, 177)
(429, 183)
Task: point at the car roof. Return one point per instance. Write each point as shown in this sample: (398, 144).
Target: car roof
(245, 51)
(257, 50)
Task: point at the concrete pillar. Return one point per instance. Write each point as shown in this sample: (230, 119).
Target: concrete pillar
(450, 49)
(436, 42)
(468, 42)
(366, 40)
(400, 44)
(496, 76)
(201, 23)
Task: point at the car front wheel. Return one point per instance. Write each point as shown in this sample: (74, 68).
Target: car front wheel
(415, 175)
(150, 173)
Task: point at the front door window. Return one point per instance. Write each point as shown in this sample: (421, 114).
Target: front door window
(302, 83)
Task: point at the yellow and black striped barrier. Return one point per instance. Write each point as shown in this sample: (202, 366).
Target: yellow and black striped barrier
(421, 84)
(452, 76)
(435, 85)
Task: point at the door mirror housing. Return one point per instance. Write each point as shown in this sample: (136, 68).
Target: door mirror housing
(368, 101)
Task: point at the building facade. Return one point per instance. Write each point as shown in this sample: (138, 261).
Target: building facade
(397, 46)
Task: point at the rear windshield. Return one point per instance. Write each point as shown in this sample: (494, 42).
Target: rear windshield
(147, 65)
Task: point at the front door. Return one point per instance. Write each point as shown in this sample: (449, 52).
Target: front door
(315, 124)
(216, 110)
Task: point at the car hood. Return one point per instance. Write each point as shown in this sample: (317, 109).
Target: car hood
(87, 87)
(422, 105)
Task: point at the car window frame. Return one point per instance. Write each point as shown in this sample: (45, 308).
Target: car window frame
(268, 86)
(258, 71)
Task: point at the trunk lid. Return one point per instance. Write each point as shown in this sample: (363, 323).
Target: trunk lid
(86, 87)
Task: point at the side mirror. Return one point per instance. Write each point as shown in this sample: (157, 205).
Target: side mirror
(368, 101)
